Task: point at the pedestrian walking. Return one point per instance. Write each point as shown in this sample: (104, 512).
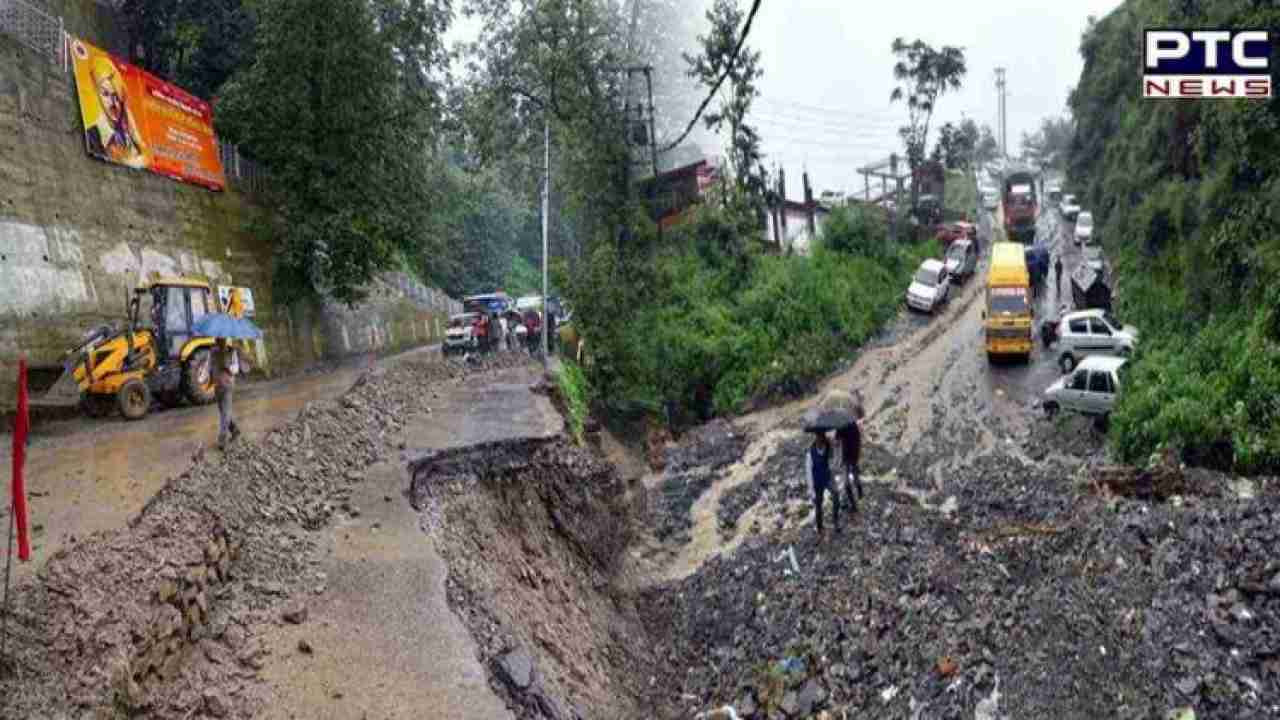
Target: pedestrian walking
(1057, 268)
(226, 365)
(850, 438)
(818, 464)
(504, 340)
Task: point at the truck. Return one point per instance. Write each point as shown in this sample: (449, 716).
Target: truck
(1007, 320)
(1019, 205)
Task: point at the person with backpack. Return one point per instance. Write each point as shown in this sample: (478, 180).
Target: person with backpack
(818, 467)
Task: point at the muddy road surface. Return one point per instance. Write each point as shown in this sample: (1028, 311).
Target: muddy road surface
(87, 475)
(287, 577)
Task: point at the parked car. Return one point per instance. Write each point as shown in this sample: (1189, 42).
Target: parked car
(1094, 259)
(461, 336)
(1054, 193)
(1070, 207)
(962, 258)
(1092, 332)
(930, 286)
(1084, 228)
(1091, 389)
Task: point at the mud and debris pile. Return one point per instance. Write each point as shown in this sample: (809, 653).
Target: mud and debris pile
(534, 533)
(1041, 596)
(162, 618)
(690, 468)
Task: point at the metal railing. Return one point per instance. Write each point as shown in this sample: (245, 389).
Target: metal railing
(36, 29)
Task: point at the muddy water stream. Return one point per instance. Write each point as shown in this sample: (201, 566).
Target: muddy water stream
(930, 394)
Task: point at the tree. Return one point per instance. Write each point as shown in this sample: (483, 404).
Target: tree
(956, 144)
(988, 148)
(326, 107)
(924, 74)
(716, 57)
(1050, 145)
(196, 45)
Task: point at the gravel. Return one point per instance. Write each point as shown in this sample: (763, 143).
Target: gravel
(82, 623)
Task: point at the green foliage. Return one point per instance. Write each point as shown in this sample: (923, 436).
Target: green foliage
(956, 144)
(707, 331)
(857, 230)
(523, 278)
(332, 107)
(925, 74)
(716, 55)
(1184, 194)
(1049, 145)
(576, 391)
(961, 194)
(196, 45)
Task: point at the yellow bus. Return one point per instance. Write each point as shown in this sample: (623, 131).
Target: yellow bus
(1009, 309)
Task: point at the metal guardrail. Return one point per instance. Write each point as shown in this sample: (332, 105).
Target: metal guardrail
(36, 29)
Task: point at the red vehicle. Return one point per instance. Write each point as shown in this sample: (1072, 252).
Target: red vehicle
(951, 232)
(1019, 206)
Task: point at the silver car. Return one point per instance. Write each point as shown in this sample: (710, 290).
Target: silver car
(1090, 389)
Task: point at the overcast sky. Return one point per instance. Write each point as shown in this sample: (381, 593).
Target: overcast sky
(829, 72)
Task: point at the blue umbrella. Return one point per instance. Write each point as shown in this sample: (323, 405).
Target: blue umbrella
(221, 325)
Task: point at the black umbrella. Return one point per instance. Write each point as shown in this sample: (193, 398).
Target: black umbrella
(820, 420)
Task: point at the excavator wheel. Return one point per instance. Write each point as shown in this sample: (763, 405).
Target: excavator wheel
(197, 377)
(134, 399)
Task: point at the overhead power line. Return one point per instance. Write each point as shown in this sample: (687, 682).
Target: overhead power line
(746, 29)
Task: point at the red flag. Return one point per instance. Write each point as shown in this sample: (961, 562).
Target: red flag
(21, 426)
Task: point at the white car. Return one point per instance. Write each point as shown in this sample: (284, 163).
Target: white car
(1084, 228)
(1091, 389)
(1094, 259)
(1070, 207)
(930, 286)
(1092, 332)
(460, 337)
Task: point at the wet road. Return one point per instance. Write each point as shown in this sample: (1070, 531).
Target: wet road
(933, 399)
(386, 643)
(86, 475)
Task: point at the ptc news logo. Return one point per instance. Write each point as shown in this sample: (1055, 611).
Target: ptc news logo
(1206, 64)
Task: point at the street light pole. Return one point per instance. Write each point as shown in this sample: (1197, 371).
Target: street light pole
(546, 209)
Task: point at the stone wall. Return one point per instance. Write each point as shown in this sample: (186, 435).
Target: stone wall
(76, 234)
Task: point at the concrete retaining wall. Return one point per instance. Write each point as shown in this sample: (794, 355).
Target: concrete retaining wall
(76, 234)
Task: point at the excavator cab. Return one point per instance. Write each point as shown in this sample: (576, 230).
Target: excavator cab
(155, 355)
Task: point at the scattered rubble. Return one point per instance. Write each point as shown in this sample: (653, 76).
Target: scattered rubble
(561, 640)
(1036, 595)
(162, 618)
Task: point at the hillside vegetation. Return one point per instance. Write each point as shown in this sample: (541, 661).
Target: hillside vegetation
(709, 319)
(1187, 196)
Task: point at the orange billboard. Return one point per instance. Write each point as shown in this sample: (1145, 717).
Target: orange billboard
(134, 118)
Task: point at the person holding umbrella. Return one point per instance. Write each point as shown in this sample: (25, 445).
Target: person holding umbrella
(818, 467)
(838, 411)
(226, 365)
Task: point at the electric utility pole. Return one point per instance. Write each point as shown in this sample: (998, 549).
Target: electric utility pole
(546, 211)
(1004, 123)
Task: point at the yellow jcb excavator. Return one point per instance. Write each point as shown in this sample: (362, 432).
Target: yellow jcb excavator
(155, 354)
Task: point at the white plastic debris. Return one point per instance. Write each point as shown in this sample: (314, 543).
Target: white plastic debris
(789, 554)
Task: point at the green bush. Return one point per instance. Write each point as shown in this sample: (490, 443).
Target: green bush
(576, 392)
(1185, 195)
(708, 323)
